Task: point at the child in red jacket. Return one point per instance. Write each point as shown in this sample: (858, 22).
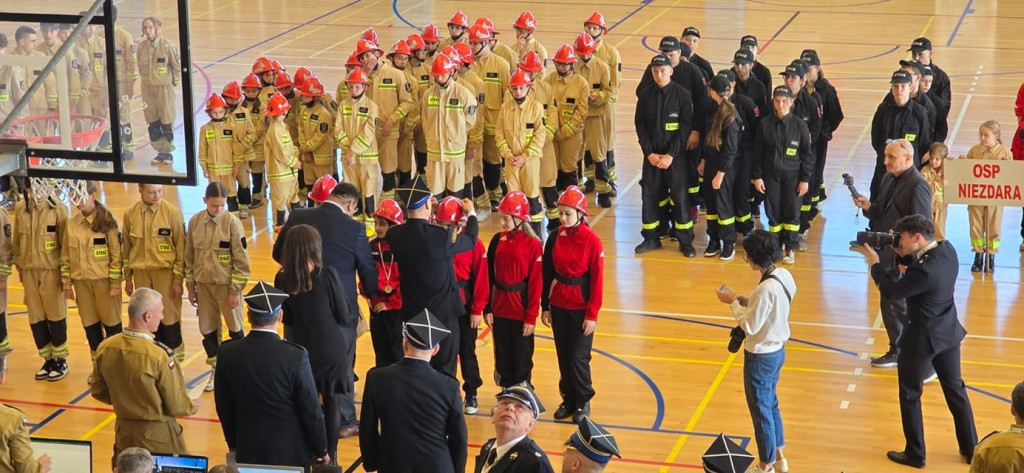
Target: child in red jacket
(385, 319)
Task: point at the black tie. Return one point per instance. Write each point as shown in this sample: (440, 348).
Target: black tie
(492, 456)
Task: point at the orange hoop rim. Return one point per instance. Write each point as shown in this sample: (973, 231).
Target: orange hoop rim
(79, 139)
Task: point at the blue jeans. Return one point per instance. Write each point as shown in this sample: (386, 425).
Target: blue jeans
(760, 376)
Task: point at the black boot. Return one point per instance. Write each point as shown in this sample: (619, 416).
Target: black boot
(990, 264)
(279, 218)
(979, 263)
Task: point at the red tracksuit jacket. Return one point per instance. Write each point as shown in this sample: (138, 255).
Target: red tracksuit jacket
(514, 259)
(570, 255)
(1017, 145)
(387, 275)
(471, 273)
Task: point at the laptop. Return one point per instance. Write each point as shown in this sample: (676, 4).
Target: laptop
(267, 469)
(67, 456)
(165, 463)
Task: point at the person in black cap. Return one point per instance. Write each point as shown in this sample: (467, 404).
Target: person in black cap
(897, 117)
(411, 417)
(424, 255)
(513, 451)
(916, 70)
(921, 49)
(807, 107)
(760, 70)
(663, 118)
(746, 82)
(831, 117)
(589, 448)
(941, 130)
(749, 115)
(781, 168)
(718, 167)
(266, 397)
(691, 38)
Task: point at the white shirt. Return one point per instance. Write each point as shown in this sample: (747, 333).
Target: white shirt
(502, 450)
(765, 319)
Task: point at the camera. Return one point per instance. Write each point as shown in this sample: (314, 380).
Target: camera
(878, 240)
(736, 337)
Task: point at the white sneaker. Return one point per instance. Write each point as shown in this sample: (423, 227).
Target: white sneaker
(801, 241)
(757, 469)
(243, 213)
(790, 257)
(209, 382)
(782, 465)
(931, 378)
(483, 214)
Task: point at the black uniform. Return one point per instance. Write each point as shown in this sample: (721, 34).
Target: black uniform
(941, 119)
(808, 108)
(704, 65)
(411, 419)
(941, 86)
(763, 74)
(721, 210)
(932, 339)
(831, 117)
(749, 115)
(424, 255)
(931, 113)
(525, 457)
(663, 122)
(783, 158)
(892, 122)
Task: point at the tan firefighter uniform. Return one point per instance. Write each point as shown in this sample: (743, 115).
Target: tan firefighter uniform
(475, 142)
(153, 255)
(220, 153)
(356, 132)
(447, 114)
(36, 252)
(986, 220)
(520, 132)
(243, 130)
(73, 65)
(316, 140)
(216, 267)
(531, 45)
(45, 99)
(505, 52)
(282, 161)
(91, 262)
(610, 55)
(292, 117)
(127, 72)
(541, 92)
(392, 93)
(936, 181)
(448, 41)
(96, 88)
(5, 272)
(422, 75)
(12, 88)
(16, 454)
(495, 73)
(569, 97)
(407, 134)
(595, 133)
(159, 73)
(257, 160)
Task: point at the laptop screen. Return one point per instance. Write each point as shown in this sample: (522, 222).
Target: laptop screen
(179, 464)
(267, 469)
(66, 456)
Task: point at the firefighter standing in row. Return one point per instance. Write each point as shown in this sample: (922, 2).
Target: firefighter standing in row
(570, 96)
(806, 107)
(73, 66)
(474, 180)
(316, 132)
(458, 25)
(216, 271)
(282, 160)
(495, 73)
(244, 132)
(5, 273)
(718, 166)
(411, 142)
(447, 112)
(126, 70)
(351, 63)
(595, 134)
(595, 27)
(392, 93)
(36, 250)
(355, 133)
(502, 50)
(520, 133)
(831, 117)
(220, 151)
(525, 26)
(160, 72)
(750, 120)
(532, 65)
(256, 108)
(153, 256)
(572, 294)
(431, 39)
(284, 85)
(91, 268)
(386, 304)
(897, 117)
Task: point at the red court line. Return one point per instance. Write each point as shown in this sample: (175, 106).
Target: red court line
(621, 460)
(75, 407)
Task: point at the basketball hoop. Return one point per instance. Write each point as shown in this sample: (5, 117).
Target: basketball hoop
(40, 129)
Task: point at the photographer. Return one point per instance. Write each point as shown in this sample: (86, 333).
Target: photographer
(901, 192)
(764, 323)
(933, 335)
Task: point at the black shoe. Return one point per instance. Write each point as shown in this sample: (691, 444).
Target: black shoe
(990, 263)
(494, 206)
(714, 247)
(903, 459)
(728, 252)
(604, 201)
(564, 411)
(687, 250)
(967, 458)
(614, 192)
(44, 371)
(590, 186)
(664, 232)
(471, 405)
(580, 413)
(647, 245)
(888, 360)
(58, 370)
(671, 234)
(979, 263)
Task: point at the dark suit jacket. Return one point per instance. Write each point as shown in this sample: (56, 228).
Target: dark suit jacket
(411, 420)
(928, 286)
(899, 197)
(424, 255)
(267, 402)
(345, 247)
(525, 457)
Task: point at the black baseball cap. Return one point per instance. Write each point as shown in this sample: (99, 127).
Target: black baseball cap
(783, 91)
(660, 60)
(794, 69)
(921, 44)
(928, 71)
(685, 50)
(691, 30)
(669, 43)
(728, 73)
(743, 56)
(811, 56)
(748, 39)
(913, 64)
(900, 77)
(720, 84)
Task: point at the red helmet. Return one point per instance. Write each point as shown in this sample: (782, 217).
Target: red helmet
(487, 23)
(251, 82)
(565, 55)
(415, 42)
(573, 197)
(459, 19)
(364, 46)
(312, 88)
(283, 80)
(232, 90)
(585, 44)
(302, 74)
(526, 21)
(519, 77)
(430, 34)
(277, 67)
(449, 211)
(453, 53)
(215, 102)
(277, 105)
(353, 60)
(371, 35)
(480, 33)
(357, 76)
(443, 64)
(516, 205)
(262, 65)
(400, 47)
(322, 188)
(465, 52)
(596, 18)
(531, 62)
(390, 210)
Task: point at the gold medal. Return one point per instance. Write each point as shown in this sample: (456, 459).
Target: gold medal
(387, 289)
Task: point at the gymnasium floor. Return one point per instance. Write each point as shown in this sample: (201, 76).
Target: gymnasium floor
(665, 383)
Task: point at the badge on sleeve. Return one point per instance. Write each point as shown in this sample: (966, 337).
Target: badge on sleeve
(472, 110)
(7, 230)
(323, 128)
(408, 87)
(244, 244)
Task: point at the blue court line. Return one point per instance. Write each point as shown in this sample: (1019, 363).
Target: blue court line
(289, 30)
(643, 4)
(967, 11)
(394, 8)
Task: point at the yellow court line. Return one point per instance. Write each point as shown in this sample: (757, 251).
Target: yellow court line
(105, 422)
(648, 23)
(699, 411)
(386, 20)
(347, 14)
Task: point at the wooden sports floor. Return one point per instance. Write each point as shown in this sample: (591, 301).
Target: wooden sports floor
(665, 383)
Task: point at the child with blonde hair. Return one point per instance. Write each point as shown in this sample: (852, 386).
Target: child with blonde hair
(985, 220)
(935, 174)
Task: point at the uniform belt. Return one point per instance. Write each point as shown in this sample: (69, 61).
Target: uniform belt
(511, 287)
(462, 284)
(585, 279)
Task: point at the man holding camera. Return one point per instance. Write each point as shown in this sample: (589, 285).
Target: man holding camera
(902, 192)
(933, 332)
